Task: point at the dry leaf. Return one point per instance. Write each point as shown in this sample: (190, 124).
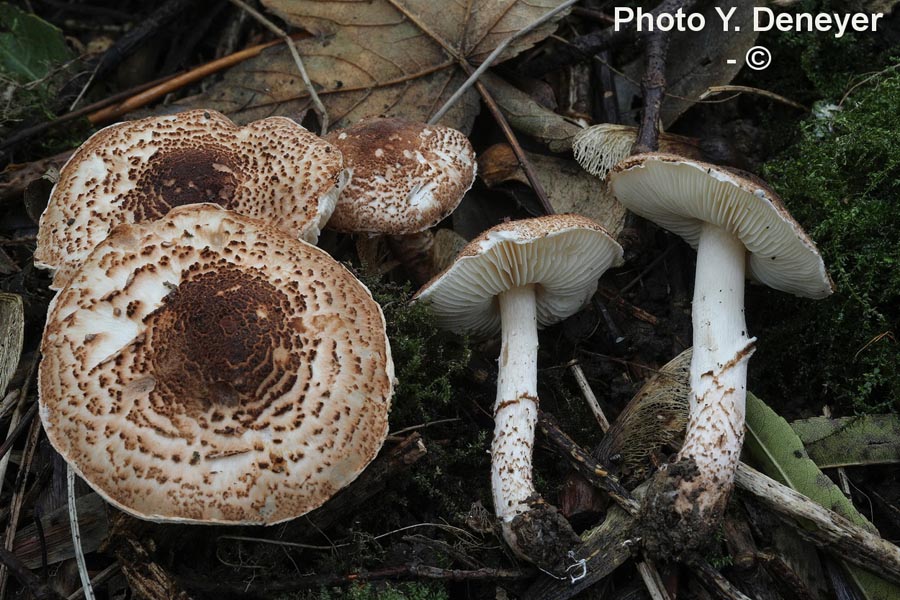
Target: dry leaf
(697, 60)
(528, 116)
(447, 246)
(12, 335)
(569, 188)
(377, 57)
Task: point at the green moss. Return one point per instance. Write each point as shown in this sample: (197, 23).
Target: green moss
(33, 60)
(842, 182)
(827, 65)
(426, 359)
(431, 391)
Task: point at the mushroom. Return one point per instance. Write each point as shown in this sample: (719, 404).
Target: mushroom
(599, 147)
(734, 222)
(137, 171)
(407, 177)
(514, 278)
(209, 368)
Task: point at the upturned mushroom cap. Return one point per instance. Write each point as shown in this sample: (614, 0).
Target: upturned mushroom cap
(564, 255)
(406, 176)
(209, 368)
(137, 171)
(600, 147)
(681, 195)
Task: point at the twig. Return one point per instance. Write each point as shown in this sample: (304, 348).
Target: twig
(652, 580)
(585, 464)
(865, 81)
(113, 107)
(406, 571)
(653, 264)
(29, 132)
(784, 576)
(171, 84)
(244, 538)
(99, 579)
(14, 434)
(589, 396)
(411, 428)
(8, 404)
(715, 581)
(473, 77)
(130, 41)
(617, 336)
(850, 541)
(832, 531)
(76, 535)
(592, 14)
(42, 539)
(39, 589)
(584, 47)
(653, 87)
(608, 99)
(743, 89)
(18, 498)
(317, 103)
(442, 546)
(18, 421)
(517, 148)
(623, 304)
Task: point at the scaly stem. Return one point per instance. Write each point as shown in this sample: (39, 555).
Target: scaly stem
(515, 411)
(722, 348)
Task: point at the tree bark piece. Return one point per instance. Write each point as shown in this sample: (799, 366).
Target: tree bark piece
(833, 532)
(146, 578)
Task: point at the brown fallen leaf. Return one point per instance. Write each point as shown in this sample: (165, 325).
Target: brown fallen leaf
(377, 57)
(569, 188)
(447, 246)
(697, 61)
(530, 117)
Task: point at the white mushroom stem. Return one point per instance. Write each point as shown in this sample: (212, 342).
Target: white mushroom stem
(722, 348)
(515, 411)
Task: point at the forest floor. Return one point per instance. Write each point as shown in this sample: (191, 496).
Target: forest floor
(820, 125)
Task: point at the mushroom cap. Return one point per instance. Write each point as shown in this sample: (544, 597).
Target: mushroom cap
(681, 195)
(564, 255)
(137, 171)
(210, 368)
(407, 176)
(600, 147)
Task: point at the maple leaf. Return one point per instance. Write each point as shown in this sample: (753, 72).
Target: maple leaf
(399, 58)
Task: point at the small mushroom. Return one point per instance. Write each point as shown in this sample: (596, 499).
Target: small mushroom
(136, 171)
(407, 177)
(735, 223)
(514, 278)
(599, 147)
(209, 368)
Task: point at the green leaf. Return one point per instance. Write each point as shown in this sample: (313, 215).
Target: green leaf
(780, 454)
(29, 46)
(851, 441)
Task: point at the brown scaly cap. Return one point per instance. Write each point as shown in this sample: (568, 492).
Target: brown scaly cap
(132, 172)
(406, 176)
(682, 194)
(564, 254)
(209, 368)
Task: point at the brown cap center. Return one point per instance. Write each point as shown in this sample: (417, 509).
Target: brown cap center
(173, 178)
(220, 344)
